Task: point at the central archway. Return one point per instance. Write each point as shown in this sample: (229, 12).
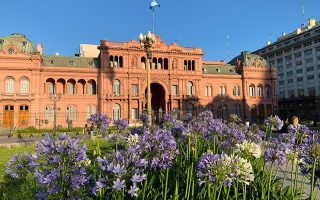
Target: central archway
(157, 97)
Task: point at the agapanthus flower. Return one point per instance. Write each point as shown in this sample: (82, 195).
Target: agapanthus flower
(61, 166)
(274, 151)
(249, 148)
(133, 139)
(274, 123)
(224, 169)
(169, 122)
(235, 118)
(20, 165)
(101, 121)
(158, 147)
(121, 169)
(121, 124)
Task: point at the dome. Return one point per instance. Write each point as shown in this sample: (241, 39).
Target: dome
(18, 40)
(248, 59)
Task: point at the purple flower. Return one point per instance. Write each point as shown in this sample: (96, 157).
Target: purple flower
(121, 124)
(101, 121)
(275, 152)
(118, 184)
(133, 190)
(274, 123)
(20, 165)
(158, 147)
(61, 159)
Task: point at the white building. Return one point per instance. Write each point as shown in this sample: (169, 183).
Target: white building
(296, 57)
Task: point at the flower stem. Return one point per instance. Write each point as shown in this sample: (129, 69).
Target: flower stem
(269, 182)
(166, 185)
(312, 194)
(302, 187)
(285, 176)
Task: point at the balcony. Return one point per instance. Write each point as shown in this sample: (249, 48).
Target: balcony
(16, 96)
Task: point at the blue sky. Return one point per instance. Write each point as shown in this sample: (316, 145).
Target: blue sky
(61, 25)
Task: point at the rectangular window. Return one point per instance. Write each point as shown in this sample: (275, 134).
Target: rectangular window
(280, 60)
(281, 82)
(312, 91)
(134, 89)
(288, 58)
(299, 71)
(310, 77)
(300, 92)
(282, 94)
(297, 55)
(309, 69)
(290, 73)
(307, 52)
(281, 75)
(309, 60)
(174, 89)
(317, 49)
(299, 79)
(291, 93)
(290, 81)
(134, 114)
(280, 68)
(289, 65)
(71, 113)
(48, 113)
(299, 63)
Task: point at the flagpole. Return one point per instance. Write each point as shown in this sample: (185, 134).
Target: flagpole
(153, 20)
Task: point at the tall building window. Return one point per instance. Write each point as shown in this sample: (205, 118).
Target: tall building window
(259, 90)
(116, 87)
(134, 114)
(300, 92)
(134, 89)
(91, 109)
(116, 112)
(190, 88)
(71, 112)
(207, 91)
(267, 90)
(312, 91)
(71, 88)
(174, 90)
(222, 90)
(9, 82)
(48, 113)
(236, 91)
(252, 91)
(24, 85)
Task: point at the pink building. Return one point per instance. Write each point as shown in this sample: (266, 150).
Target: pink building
(32, 85)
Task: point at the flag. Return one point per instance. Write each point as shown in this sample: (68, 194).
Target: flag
(154, 4)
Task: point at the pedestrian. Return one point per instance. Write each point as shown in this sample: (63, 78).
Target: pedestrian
(295, 124)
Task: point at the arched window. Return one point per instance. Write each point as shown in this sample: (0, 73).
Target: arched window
(9, 83)
(159, 64)
(267, 90)
(91, 87)
(190, 108)
(166, 65)
(154, 63)
(120, 61)
(189, 65)
(208, 90)
(252, 91)
(111, 61)
(91, 109)
(116, 61)
(24, 85)
(71, 87)
(193, 65)
(143, 62)
(259, 91)
(185, 65)
(116, 87)
(48, 113)
(222, 90)
(71, 112)
(236, 91)
(190, 88)
(116, 111)
(253, 110)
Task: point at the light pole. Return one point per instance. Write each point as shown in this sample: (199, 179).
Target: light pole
(54, 97)
(148, 42)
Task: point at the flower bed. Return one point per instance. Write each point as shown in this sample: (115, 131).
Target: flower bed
(197, 158)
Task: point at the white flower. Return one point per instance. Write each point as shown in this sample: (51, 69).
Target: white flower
(245, 171)
(250, 147)
(133, 139)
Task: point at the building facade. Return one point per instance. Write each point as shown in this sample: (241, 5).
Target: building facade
(296, 57)
(47, 91)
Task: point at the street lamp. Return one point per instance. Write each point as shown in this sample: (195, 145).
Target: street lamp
(148, 42)
(54, 97)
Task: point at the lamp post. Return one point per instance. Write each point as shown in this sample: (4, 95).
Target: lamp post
(148, 42)
(54, 97)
